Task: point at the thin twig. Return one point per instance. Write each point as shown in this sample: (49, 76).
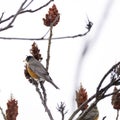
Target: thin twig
(38, 90)
(42, 38)
(87, 110)
(79, 108)
(104, 77)
(28, 4)
(61, 109)
(45, 34)
(44, 104)
(32, 11)
(117, 115)
(3, 114)
(28, 11)
(112, 93)
(48, 50)
(44, 92)
(104, 118)
(100, 93)
(1, 16)
(15, 16)
(49, 43)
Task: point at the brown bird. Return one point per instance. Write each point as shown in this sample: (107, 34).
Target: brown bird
(37, 71)
(93, 114)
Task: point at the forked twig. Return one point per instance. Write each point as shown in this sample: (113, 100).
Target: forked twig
(20, 11)
(15, 16)
(28, 4)
(61, 109)
(104, 77)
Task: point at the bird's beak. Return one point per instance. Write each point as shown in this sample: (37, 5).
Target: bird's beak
(24, 60)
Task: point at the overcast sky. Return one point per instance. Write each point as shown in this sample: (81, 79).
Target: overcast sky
(67, 69)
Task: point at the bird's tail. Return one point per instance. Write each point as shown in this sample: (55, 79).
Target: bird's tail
(49, 79)
(54, 85)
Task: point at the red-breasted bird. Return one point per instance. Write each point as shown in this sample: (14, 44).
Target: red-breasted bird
(37, 71)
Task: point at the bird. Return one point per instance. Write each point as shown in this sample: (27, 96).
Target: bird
(93, 114)
(37, 71)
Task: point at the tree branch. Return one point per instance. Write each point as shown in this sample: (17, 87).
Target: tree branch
(104, 77)
(27, 11)
(117, 115)
(15, 16)
(61, 109)
(44, 92)
(48, 50)
(32, 11)
(44, 103)
(49, 43)
(28, 4)
(4, 116)
(79, 108)
(100, 93)
(42, 38)
(1, 17)
(86, 111)
(104, 118)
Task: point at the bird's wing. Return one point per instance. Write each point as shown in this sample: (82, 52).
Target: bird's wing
(38, 68)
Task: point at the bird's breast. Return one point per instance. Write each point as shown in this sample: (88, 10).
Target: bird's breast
(31, 73)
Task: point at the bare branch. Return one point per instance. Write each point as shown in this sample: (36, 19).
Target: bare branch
(49, 43)
(1, 16)
(104, 77)
(44, 104)
(44, 91)
(38, 39)
(100, 93)
(28, 5)
(79, 108)
(3, 114)
(104, 118)
(32, 11)
(61, 109)
(117, 115)
(27, 11)
(15, 16)
(86, 111)
(111, 93)
(48, 50)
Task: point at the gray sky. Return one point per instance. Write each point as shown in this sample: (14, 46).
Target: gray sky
(65, 55)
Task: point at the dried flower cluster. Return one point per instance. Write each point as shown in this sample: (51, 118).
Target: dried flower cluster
(116, 99)
(35, 51)
(81, 97)
(52, 17)
(12, 109)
